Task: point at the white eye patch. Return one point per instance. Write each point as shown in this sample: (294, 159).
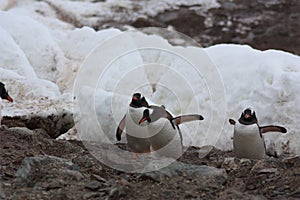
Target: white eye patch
(251, 110)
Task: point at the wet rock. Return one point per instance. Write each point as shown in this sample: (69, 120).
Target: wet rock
(188, 170)
(41, 168)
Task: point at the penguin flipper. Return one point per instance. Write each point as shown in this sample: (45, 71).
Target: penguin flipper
(187, 118)
(232, 122)
(120, 128)
(272, 128)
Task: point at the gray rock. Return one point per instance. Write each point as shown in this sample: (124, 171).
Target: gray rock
(40, 168)
(182, 169)
(99, 178)
(54, 124)
(235, 194)
(21, 131)
(93, 186)
(116, 192)
(2, 194)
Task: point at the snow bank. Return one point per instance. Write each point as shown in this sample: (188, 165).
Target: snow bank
(269, 82)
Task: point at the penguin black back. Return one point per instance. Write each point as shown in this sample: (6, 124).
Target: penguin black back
(3, 93)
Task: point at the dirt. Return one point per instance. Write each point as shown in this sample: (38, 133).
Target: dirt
(271, 24)
(36, 166)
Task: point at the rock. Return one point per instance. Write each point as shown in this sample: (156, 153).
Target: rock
(71, 134)
(204, 151)
(292, 161)
(116, 192)
(93, 186)
(234, 194)
(261, 168)
(41, 168)
(92, 195)
(99, 178)
(54, 124)
(55, 185)
(230, 164)
(25, 132)
(267, 171)
(182, 169)
(2, 194)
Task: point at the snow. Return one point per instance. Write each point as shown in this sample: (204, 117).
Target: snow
(41, 56)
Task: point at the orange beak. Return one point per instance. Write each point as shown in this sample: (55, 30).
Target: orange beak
(142, 120)
(9, 99)
(247, 116)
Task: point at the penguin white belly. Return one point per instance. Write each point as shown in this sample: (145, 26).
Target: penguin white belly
(136, 135)
(247, 142)
(0, 111)
(164, 139)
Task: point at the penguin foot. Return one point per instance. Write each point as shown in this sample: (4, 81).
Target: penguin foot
(134, 155)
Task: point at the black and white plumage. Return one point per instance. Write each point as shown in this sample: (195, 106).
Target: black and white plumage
(4, 95)
(164, 132)
(141, 139)
(136, 136)
(248, 141)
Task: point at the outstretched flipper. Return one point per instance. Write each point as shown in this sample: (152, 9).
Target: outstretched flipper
(272, 128)
(186, 118)
(231, 121)
(120, 128)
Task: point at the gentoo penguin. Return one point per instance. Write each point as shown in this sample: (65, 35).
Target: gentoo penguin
(136, 135)
(3, 95)
(247, 137)
(164, 132)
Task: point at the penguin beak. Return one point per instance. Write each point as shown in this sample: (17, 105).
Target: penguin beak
(9, 99)
(135, 98)
(143, 119)
(247, 116)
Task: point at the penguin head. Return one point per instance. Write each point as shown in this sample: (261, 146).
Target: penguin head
(138, 101)
(146, 116)
(248, 117)
(4, 93)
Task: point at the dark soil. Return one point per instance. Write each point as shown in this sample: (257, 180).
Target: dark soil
(35, 166)
(269, 24)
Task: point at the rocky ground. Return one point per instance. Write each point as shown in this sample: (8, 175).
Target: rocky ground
(35, 166)
(263, 24)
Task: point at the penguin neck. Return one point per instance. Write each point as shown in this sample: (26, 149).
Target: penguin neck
(244, 122)
(135, 114)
